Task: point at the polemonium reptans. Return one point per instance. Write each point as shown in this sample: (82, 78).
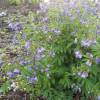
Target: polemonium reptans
(33, 80)
(40, 50)
(56, 31)
(22, 62)
(15, 26)
(10, 74)
(78, 54)
(97, 60)
(16, 71)
(98, 97)
(86, 43)
(83, 74)
(27, 45)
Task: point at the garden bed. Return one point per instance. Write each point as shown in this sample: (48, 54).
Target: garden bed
(50, 54)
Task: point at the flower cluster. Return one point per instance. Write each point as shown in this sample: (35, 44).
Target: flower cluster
(12, 74)
(15, 26)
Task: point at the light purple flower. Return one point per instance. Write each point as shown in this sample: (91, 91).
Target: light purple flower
(16, 71)
(78, 54)
(78, 11)
(11, 26)
(18, 26)
(40, 53)
(15, 26)
(10, 74)
(86, 43)
(40, 50)
(43, 8)
(97, 60)
(98, 26)
(22, 62)
(46, 70)
(39, 56)
(45, 29)
(72, 4)
(98, 97)
(98, 32)
(27, 45)
(45, 19)
(56, 31)
(33, 80)
(72, 18)
(83, 21)
(83, 74)
(65, 0)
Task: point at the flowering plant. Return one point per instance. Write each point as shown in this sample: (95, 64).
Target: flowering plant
(53, 54)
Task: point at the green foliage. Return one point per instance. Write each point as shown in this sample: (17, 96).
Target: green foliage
(17, 2)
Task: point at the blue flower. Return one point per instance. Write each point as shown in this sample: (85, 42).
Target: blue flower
(39, 53)
(83, 21)
(45, 19)
(10, 74)
(87, 43)
(97, 60)
(65, 0)
(72, 4)
(98, 32)
(78, 54)
(27, 45)
(98, 97)
(16, 71)
(46, 70)
(40, 50)
(45, 29)
(32, 80)
(83, 74)
(22, 62)
(98, 26)
(18, 26)
(15, 26)
(98, 29)
(56, 31)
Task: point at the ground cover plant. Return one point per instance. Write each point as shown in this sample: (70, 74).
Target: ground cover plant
(52, 54)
